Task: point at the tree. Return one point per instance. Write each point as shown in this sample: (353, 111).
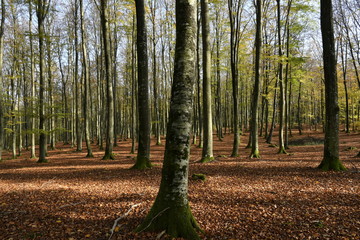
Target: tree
(2, 23)
(109, 86)
(207, 151)
(42, 9)
(281, 83)
(256, 92)
(143, 155)
(171, 211)
(331, 159)
(235, 10)
(86, 82)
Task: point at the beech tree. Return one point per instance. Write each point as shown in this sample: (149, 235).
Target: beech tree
(109, 85)
(2, 23)
(207, 152)
(42, 10)
(331, 159)
(143, 155)
(171, 212)
(256, 92)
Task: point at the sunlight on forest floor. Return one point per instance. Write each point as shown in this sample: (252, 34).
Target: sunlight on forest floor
(274, 197)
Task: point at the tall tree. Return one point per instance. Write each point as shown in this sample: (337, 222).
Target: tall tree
(109, 86)
(143, 155)
(86, 82)
(256, 92)
(171, 212)
(331, 159)
(207, 151)
(32, 76)
(2, 23)
(235, 10)
(281, 84)
(42, 9)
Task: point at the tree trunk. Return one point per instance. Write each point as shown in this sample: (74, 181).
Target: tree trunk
(86, 83)
(331, 159)
(143, 155)
(281, 83)
(171, 211)
(207, 151)
(2, 23)
(109, 86)
(42, 9)
(255, 96)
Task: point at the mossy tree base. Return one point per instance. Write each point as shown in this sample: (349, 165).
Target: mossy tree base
(42, 161)
(331, 165)
(282, 150)
(89, 155)
(207, 159)
(255, 154)
(178, 222)
(109, 156)
(142, 163)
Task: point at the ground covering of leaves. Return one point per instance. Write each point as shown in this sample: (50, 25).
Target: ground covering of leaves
(275, 197)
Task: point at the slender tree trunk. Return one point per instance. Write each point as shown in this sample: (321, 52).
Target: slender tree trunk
(32, 76)
(198, 85)
(2, 23)
(281, 83)
(331, 159)
(255, 96)
(143, 156)
(86, 82)
(42, 9)
(299, 110)
(171, 212)
(109, 86)
(207, 151)
(133, 89)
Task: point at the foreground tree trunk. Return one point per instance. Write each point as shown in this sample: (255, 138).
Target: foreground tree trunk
(255, 97)
(331, 159)
(171, 211)
(207, 151)
(109, 86)
(143, 155)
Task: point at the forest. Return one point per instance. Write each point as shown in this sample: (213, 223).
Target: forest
(186, 119)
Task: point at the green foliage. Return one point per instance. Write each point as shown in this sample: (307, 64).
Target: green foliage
(198, 176)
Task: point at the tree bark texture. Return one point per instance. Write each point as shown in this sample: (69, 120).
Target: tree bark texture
(143, 155)
(331, 159)
(171, 211)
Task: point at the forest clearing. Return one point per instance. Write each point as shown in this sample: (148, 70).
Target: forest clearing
(275, 197)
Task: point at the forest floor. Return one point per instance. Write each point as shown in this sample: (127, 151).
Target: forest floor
(274, 197)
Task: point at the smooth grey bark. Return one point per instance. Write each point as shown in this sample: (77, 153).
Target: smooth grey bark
(133, 89)
(77, 82)
(86, 82)
(32, 76)
(171, 212)
(281, 84)
(234, 16)
(207, 151)
(42, 9)
(2, 23)
(331, 159)
(143, 155)
(156, 84)
(109, 86)
(256, 92)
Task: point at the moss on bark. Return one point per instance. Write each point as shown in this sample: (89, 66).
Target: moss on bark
(255, 154)
(176, 221)
(207, 159)
(282, 150)
(142, 163)
(109, 156)
(331, 165)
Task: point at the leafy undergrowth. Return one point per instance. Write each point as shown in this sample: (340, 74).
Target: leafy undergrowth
(274, 197)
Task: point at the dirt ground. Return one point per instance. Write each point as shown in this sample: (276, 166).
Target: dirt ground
(274, 197)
